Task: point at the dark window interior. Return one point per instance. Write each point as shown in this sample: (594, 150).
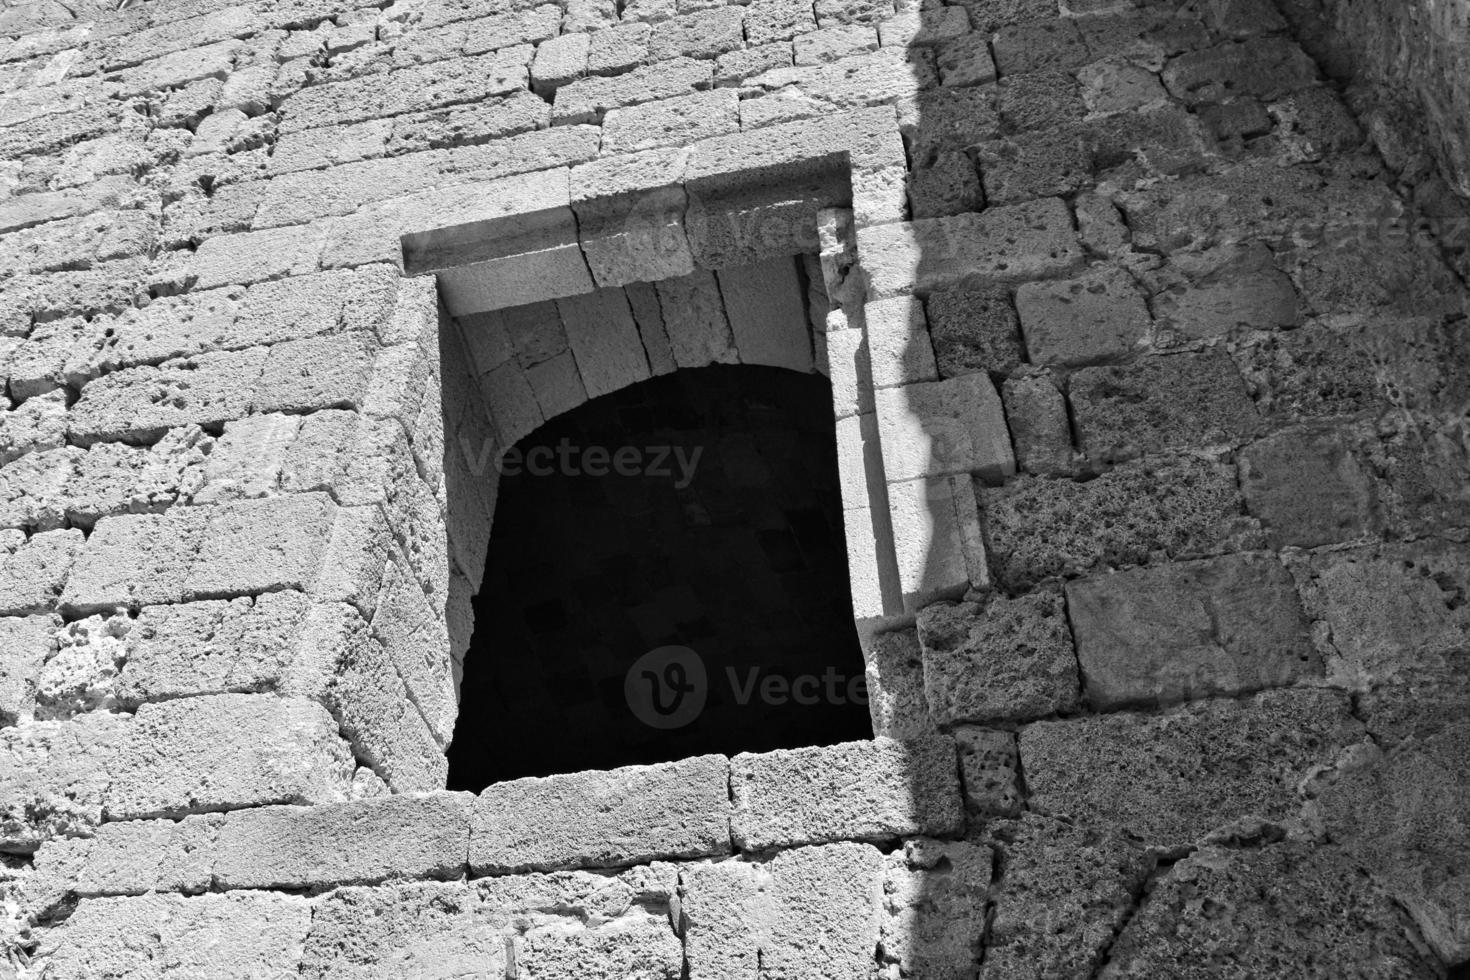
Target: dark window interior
(739, 557)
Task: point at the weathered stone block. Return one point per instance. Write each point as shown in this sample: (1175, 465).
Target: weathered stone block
(358, 842)
(1097, 317)
(131, 857)
(415, 640)
(934, 892)
(1246, 291)
(1265, 68)
(138, 404)
(1226, 626)
(33, 570)
(227, 751)
(899, 350)
(873, 790)
(1180, 401)
(261, 546)
(57, 776)
(135, 559)
(601, 819)
(990, 771)
(999, 660)
(1040, 46)
(694, 317)
(1172, 779)
(1037, 164)
(1308, 488)
(937, 428)
(948, 185)
(767, 315)
(587, 99)
(25, 644)
(936, 538)
(604, 339)
(1175, 506)
(1040, 428)
(974, 328)
(895, 675)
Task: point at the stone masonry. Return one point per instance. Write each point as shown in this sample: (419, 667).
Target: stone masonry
(1146, 327)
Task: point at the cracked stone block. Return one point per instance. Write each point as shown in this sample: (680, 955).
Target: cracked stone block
(82, 674)
(935, 892)
(1040, 429)
(1288, 909)
(1179, 401)
(135, 559)
(1037, 164)
(760, 919)
(1173, 779)
(767, 316)
(895, 675)
(33, 570)
(57, 776)
(1177, 632)
(1246, 291)
(1174, 506)
(947, 185)
(990, 769)
(400, 929)
(1062, 892)
(1263, 68)
(952, 119)
(131, 857)
(25, 644)
(974, 327)
(694, 316)
(225, 751)
(1308, 488)
(1042, 45)
(357, 842)
(998, 660)
(598, 819)
(872, 790)
(1387, 608)
(1072, 322)
(938, 428)
(233, 937)
(415, 639)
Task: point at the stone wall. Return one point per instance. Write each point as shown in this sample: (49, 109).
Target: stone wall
(1150, 377)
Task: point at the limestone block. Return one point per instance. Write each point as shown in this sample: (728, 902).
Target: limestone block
(257, 255)
(1033, 240)
(239, 645)
(131, 857)
(604, 339)
(638, 239)
(768, 21)
(344, 301)
(767, 315)
(1042, 45)
(557, 385)
(559, 60)
(361, 544)
(829, 44)
(676, 121)
(1174, 506)
(1246, 291)
(1040, 428)
(936, 538)
(31, 209)
(1298, 908)
(414, 638)
(37, 425)
(601, 819)
(33, 570)
(989, 772)
(233, 937)
(166, 328)
(704, 34)
(260, 546)
(1194, 629)
(998, 660)
(587, 99)
(965, 61)
(619, 47)
(57, 776)
(946, 185)
(937, 428)
(694, 317)
(246, 460)
(974, 327)
(952, 119)
(873, 790)
(25, 644)
(135, 559)
(358, 842)
(895, 676)
(899, 347)
(512, 402)
(1308, 488)
(1171, 779)
(1264, 68)
(556, 268)
(1065, 891)
(1096, 317)
(79, 242)
(320, 372)
(1180, 401)
(402, 929)
(933, 894)
(746, 919)
(867, 568)
(138, 404)
(848, 367)
(226, 751)
(1029, 165)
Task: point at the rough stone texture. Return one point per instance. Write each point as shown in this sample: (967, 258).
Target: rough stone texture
(1173, 779)
(1171, 506)
(989, 770)
(1287, 909)
(998, 660)
(874, 790)
(1223, 626)
(937, 428)
(600, 819)
(934, 893)
(974, 328)
(57, 774)
(1072, 322)
(895, 676)
(1040, 430)
(1307, 488)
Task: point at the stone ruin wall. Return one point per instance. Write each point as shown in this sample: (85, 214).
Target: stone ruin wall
(1149, 364)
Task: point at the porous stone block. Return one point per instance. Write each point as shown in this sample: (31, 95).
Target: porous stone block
(257, 255)
(974, 327)
(587, 99)
(749, 226)
(694, 317)
(557, 385)
(1294, 908)
(936, 538)
(1176, 506)
(136, 559)
(989, 772)
(1036, 164)
(603, 819)
(1244, 292)
(1308, 488)
(1223, 626)
(895, 676)
(1071, 322)
(1040, 428)
(57, 776)
(260, 546)
(138, 404)
(872, 790)
(998, 660)
(358, 842)
(1034, 240)
(604, 339)
(1173, 779)
(130, 857)
(767, 314)
(33, 570)
(749, 919)
(25, 644)
(548, 270)
(950, 119)
(1054, 44)
(240, 936)
(559, 60)
(402, 928)
(227, 751)
(1264, 68)
(677, 121)
(937, 428)
(1179, 401)
(947, 185)
(934, 891)
(1063, 892)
